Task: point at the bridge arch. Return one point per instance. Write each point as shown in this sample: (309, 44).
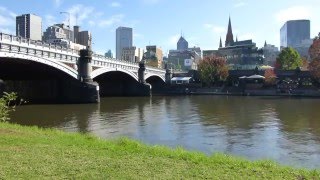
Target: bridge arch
(154, 75)
(104, 70)
(46, 61)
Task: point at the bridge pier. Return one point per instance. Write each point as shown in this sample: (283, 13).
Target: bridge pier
(88, 90)
(144, 87)
(168, 76)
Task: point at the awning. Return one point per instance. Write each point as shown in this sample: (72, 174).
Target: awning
(256, 77)
(181, 78)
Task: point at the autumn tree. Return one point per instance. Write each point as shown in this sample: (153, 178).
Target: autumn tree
(314, 65)
(270, 77)
(305, 64)
(213, 69)
(314, 50)
(289, 59)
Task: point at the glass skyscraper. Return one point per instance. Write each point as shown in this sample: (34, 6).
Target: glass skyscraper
(294, 32)
(123, 40)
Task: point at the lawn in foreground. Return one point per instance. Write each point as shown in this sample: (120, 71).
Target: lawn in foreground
(31, 152)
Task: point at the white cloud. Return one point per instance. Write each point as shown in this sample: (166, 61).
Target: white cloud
(172, 40)
(239, 4)
(112, 20)
(293, 13)
(215, 29)
(78, 13)
(137, 35)
(115, 4)
(150, 2)
(7, 20)
(49, 20)
(246, 36)
(57, 3)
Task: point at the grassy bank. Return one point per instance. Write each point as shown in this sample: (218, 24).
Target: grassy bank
(30, 152)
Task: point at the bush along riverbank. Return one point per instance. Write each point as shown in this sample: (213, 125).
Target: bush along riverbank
(31, 152)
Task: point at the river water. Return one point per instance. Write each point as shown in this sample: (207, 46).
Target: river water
(286, 130)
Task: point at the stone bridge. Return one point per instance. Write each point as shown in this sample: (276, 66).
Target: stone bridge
(33, 67)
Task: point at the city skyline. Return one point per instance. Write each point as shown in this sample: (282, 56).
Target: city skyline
(201, 24)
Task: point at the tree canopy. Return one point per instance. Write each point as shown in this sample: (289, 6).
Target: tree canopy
(213, 69)
(314, 65)
(289, 59)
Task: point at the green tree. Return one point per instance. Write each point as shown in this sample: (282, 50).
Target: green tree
(5, 107)
(213, 69)
(289, 59)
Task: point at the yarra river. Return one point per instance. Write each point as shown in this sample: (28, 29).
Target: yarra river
(286, 130)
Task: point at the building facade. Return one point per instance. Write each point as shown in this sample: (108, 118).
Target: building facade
(153, 56)
(239, 54)
(123, 40)
(182, 44)
(296, 34)
(270, 53)
(183, 58)
(132, 54)
(58, 31)
(292, 33)
(29, 26)
(108, 54)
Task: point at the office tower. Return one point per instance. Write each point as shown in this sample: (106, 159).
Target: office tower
(29, 26)
(123, 40)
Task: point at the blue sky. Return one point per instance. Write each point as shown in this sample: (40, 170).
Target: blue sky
(160, 22)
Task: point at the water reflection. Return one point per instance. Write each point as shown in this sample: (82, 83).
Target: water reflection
(285, 130)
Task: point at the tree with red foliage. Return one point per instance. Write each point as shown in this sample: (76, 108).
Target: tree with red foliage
(213, 69)
(314, 52)
(270, 77)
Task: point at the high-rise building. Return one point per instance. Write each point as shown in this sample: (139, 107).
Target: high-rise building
(82, 37)
(108, 54)
(58, 31)
(239, 54)
(270, 53)
(29, 26)
(132, 54)
(123, 40)
(153, 56)
(292, 33)
(182, 44)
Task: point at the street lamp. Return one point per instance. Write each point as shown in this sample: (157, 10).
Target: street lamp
(68, 24)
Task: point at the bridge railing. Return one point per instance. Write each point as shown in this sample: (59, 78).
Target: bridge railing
(30, 47)
(24, 46)
(101, 61)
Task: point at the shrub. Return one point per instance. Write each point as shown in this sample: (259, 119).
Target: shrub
(5, 107)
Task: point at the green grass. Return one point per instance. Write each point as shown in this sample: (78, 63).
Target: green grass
(34, 153)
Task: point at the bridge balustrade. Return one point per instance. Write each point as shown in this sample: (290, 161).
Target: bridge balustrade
(10, 43)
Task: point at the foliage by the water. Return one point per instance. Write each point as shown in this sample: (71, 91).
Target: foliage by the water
(270, 77)
(33, 153)
(289, 59)
(5, 107)
(213, 69)
(314, 65)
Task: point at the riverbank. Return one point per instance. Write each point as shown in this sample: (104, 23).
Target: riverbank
(31, 152)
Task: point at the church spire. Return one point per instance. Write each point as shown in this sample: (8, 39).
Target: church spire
(265, 43)
(220, 44)
(229, 37)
